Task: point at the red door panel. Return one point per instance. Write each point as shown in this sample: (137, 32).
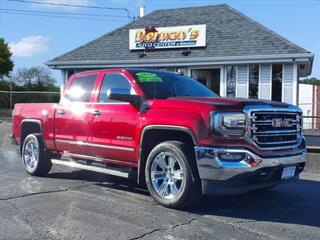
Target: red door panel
(71, 128)
(71, 116)
(112, 132)
(113, 129)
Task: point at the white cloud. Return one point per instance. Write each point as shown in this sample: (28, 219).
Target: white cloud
(29, 46)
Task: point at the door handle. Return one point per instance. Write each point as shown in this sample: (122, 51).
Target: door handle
(61, 112)
(95, 112)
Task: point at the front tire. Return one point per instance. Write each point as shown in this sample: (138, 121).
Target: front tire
(171, 175)
(34, 157)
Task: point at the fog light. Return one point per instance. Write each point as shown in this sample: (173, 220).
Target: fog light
(232, 157)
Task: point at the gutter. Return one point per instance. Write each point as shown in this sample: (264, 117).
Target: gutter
(301, 57)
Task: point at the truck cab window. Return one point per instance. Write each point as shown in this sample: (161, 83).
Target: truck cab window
(113, 81)
(81, 89)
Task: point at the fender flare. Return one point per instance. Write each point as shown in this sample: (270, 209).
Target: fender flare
(162, 127)
(30, 120)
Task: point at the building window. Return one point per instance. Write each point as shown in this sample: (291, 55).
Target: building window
(277, 82)
(253, 81)
(231, 81)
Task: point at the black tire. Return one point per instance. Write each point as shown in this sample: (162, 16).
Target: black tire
(43, 164)
(190, 188)
(264, 189)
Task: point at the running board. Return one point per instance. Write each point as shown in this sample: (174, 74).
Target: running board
(91, 168)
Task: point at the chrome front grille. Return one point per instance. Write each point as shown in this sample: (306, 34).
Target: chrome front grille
(275, 129)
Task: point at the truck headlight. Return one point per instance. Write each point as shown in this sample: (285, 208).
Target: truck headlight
(229, 123)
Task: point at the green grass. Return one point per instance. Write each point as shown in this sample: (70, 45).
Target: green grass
(5, 112)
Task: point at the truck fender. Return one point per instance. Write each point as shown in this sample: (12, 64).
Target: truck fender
(141, 161)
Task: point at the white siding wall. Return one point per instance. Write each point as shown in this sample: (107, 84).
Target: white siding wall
(242, 81)
(305, 103)
(288, 82)
(265, 82)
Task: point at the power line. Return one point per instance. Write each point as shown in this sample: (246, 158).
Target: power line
(56, 16)
(74, 5)
(60, 13)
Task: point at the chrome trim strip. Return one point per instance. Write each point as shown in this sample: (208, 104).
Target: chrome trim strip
(274, 132)
(212, 168)
(95, 145)
(111, 147)
(97, 159)
(90, 168)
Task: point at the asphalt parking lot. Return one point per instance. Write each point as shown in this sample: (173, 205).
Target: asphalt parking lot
(72, 204)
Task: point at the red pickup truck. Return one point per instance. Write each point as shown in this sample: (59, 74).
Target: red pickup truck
(165, 130)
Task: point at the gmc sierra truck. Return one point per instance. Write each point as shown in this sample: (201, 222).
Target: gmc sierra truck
(164, 130)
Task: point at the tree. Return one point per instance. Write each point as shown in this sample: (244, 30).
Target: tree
(6, 64)
(313, 81)
(38, 77)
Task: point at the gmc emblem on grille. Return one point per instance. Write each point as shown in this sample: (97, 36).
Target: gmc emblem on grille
(279, 122)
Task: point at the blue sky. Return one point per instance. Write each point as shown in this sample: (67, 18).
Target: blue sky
(36, 39)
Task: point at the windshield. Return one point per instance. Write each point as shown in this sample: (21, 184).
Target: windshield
(162, 85)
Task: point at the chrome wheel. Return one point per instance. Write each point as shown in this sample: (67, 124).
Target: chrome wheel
(167, 175)
(31, 155)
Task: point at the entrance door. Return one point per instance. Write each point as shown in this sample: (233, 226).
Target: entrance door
(202, 76)
(208, 77)
(215, 81)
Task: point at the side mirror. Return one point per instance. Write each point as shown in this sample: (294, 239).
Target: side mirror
(124, 95)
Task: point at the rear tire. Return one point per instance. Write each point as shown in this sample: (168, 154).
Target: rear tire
(34, 156)
(171, 175)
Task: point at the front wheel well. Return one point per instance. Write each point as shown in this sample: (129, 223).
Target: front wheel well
(153, 137)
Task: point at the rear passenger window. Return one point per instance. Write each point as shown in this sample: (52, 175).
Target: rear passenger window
(81, 89)
(113, 81)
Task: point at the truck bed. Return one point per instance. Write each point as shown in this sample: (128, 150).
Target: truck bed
(40, 112)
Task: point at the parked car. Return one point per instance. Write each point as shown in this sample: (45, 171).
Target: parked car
(165, 130)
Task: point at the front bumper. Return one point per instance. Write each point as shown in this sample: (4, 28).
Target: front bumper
(252, 172)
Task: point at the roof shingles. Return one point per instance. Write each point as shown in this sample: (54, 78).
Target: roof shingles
(229, 33)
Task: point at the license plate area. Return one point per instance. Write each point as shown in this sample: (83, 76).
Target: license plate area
(288, 172)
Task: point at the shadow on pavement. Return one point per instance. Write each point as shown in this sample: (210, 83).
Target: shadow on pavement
(293, 203)
(102, 180)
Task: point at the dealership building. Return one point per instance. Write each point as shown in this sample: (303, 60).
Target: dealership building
(223, 49)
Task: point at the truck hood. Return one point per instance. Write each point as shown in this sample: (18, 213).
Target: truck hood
(229, 102)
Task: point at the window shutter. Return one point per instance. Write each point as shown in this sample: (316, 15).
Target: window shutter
(265, 82)
(242, 81)
(287, 84)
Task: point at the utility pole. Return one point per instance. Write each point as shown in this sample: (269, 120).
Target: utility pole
(10, 93)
